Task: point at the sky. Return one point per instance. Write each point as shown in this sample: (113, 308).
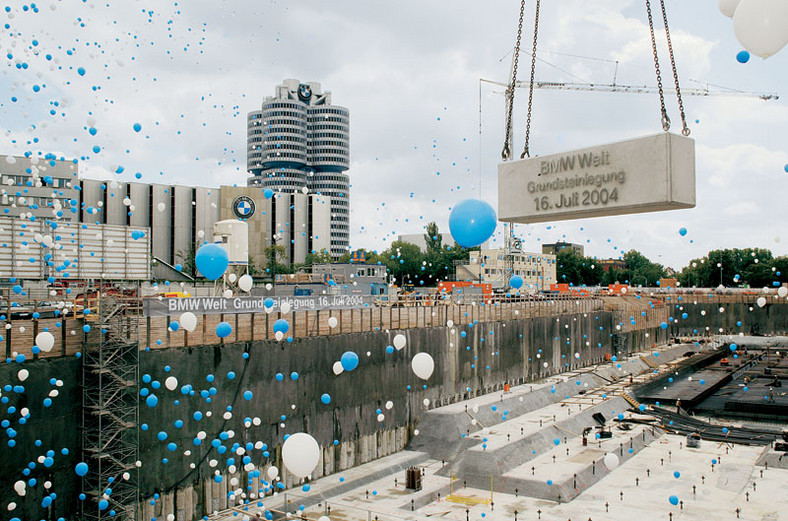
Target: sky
(425, 133)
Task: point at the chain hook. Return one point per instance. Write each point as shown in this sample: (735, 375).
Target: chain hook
(665, 123)
(506, 153)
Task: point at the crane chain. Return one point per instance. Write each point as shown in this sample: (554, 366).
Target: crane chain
(506, 153)
(685, 131)
(665, 118)
(526, 151)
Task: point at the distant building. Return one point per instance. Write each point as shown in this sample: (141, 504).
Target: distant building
(538, 271)
(116, 230)
(419, 240)
(556, 248)
(612, 264)
(299, 142)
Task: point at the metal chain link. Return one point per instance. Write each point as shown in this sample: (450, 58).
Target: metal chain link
(665, 118)
(526, 151)
(685, 131)
(506, 153)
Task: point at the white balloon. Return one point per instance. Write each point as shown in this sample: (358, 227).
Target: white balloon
(171, 383)
(19, 487)
(426, 402)
(381, 417)
(232, 277)
(611, 461)
(45, 341)
(245, 282)
(189, 321)
(423, 365)
(12, 506)
(284, 307)
(273, 472)
(300, 454)
(332, 322)
(399, 341)
(728, 7)
(228, 293)
(761, 26)
(22, 375)
(279, 335)
(338, 368)
(781, 292)
(161, 207)
(761, 302)
(389, 405)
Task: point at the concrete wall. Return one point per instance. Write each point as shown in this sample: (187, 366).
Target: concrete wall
(350, 418)
(56, 427)
(513, 352)
(733, 318)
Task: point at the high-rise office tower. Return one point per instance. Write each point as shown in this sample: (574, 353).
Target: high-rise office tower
(299, 142)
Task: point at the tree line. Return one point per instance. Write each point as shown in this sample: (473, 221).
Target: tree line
(747, 267)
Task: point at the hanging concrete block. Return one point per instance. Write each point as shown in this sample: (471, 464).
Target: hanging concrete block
(649, 174)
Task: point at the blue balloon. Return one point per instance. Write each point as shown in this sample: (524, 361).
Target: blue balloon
(151, 400)
(664, 325)
(743, 57)
(223, 330)
(248, 395)
(676, 474)
(516, 282)
(269, 302)
(472, 222)
(673, 500)
(349, 360)
(103, 504)
(281, 325)
(81, 469)
(211, 261)
(682, 232)
(557, 441)
(326, 399)
(268, 193)
(137, 127)
(174, 326)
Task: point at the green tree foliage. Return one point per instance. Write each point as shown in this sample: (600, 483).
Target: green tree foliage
(640, 271)
(276, 260)
(187, 261)
(755, 267)
(573, 268)
(317, 257)
(433, 239)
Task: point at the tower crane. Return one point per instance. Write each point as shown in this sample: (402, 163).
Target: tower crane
(631, 89)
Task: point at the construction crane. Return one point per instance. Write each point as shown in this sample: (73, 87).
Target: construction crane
(631, 89)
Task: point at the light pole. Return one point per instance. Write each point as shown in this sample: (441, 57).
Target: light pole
(719, 265)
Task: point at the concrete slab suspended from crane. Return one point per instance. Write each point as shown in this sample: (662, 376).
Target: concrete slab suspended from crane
(649, 174)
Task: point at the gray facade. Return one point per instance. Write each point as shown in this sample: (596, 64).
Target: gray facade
(42, 187)
(299, 142)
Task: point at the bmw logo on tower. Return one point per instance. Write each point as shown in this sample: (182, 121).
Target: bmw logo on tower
(243, 207)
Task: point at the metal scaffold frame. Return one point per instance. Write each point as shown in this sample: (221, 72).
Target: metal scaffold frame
(110, 412)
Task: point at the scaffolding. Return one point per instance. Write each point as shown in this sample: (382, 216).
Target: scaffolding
(110, 411)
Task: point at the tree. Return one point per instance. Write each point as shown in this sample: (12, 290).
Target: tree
(404, 261)
(187, 261)
(276, 260)
(573, 268)
(433, 239)
(640, 270)
(316, 257)
(731, 267)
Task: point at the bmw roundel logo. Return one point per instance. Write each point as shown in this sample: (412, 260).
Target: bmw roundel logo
(243, 207)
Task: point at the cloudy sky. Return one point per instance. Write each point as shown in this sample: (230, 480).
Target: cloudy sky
(188, 72)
